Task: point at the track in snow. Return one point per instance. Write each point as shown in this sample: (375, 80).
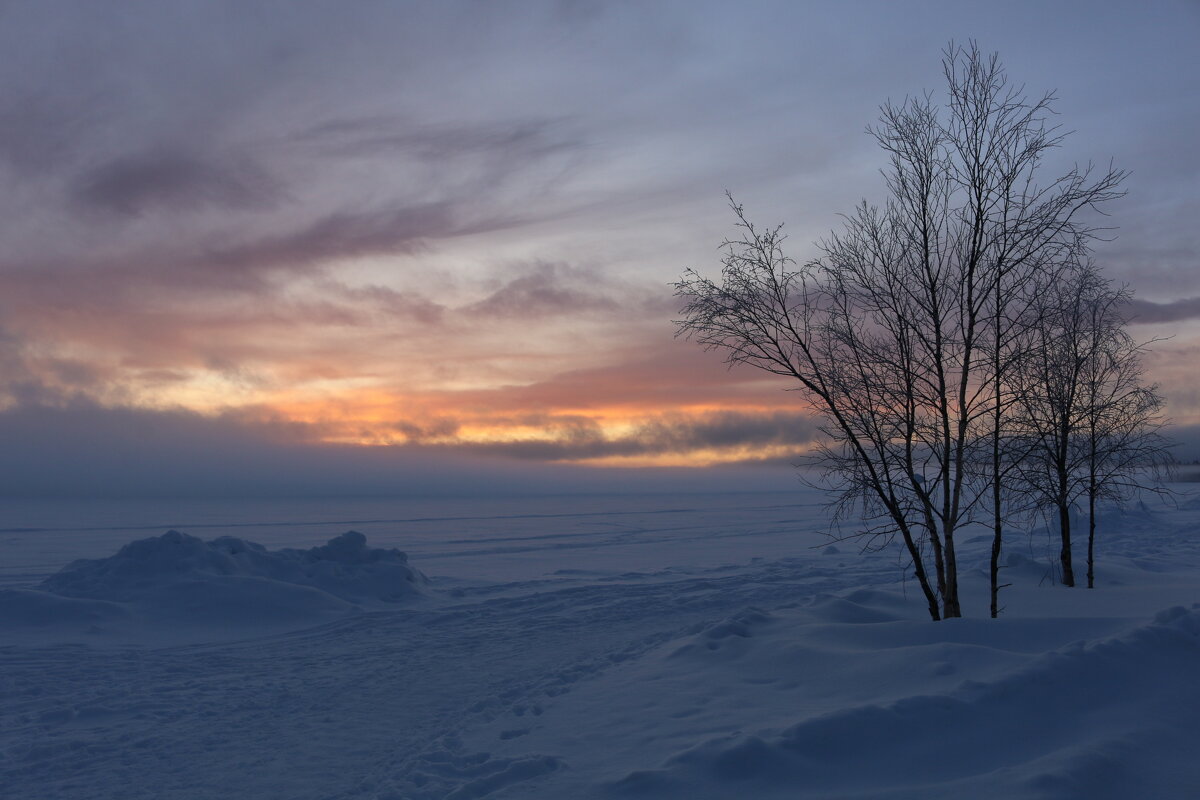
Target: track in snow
(381, 698)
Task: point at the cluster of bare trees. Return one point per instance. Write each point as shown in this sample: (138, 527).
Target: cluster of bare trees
(970, 364)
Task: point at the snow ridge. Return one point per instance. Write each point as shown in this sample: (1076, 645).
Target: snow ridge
(1108, 714)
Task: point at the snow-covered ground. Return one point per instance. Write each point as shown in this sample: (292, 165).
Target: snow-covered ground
(612, 647)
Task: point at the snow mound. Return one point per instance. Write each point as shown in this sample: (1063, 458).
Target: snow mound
(858, 609)
(345, 569)
(1113, 719)
(178, 588)
(30, 609)
(726, 635)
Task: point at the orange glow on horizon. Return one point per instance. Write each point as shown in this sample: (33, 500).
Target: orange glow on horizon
(616, 436)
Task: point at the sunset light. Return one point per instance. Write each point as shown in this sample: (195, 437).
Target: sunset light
(599, 399)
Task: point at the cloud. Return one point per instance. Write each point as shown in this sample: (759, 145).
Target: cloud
(1148, 311)
(173, 180)
(506, 140)
(744, 432)
(82, 450)
(339, 235)
(653, 371)
(145, 327)
(551, 290)
(357, 305)
(431, 219)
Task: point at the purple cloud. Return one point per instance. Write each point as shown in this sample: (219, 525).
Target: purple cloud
(1147, 311)
(167, 180)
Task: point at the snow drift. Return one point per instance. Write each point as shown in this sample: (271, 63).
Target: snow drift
(178, 579)
(1113, 719)
(344, 568)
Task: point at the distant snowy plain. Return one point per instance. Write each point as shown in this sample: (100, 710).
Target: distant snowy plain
(640, 646)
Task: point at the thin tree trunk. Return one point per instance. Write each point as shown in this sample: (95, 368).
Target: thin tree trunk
(1092, 488)
(914, 552)
(997, 531)
(1064, 497)
(997, 519)
(1091, 574)
(939, 563)
(1064, 527)
(923, 579)
(950, 605)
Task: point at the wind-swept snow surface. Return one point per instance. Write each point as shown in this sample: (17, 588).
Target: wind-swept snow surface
(680, 647)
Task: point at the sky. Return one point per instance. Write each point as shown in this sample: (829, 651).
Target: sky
(363, 245)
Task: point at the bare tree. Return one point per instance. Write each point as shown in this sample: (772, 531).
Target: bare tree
(1124, 451)
(900, 334)
(1051, 403)
(1091, 425)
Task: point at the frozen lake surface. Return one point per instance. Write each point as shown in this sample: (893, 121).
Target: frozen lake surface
(683, 646)
(501, 538)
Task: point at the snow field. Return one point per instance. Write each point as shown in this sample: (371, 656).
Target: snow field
(712, 652)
